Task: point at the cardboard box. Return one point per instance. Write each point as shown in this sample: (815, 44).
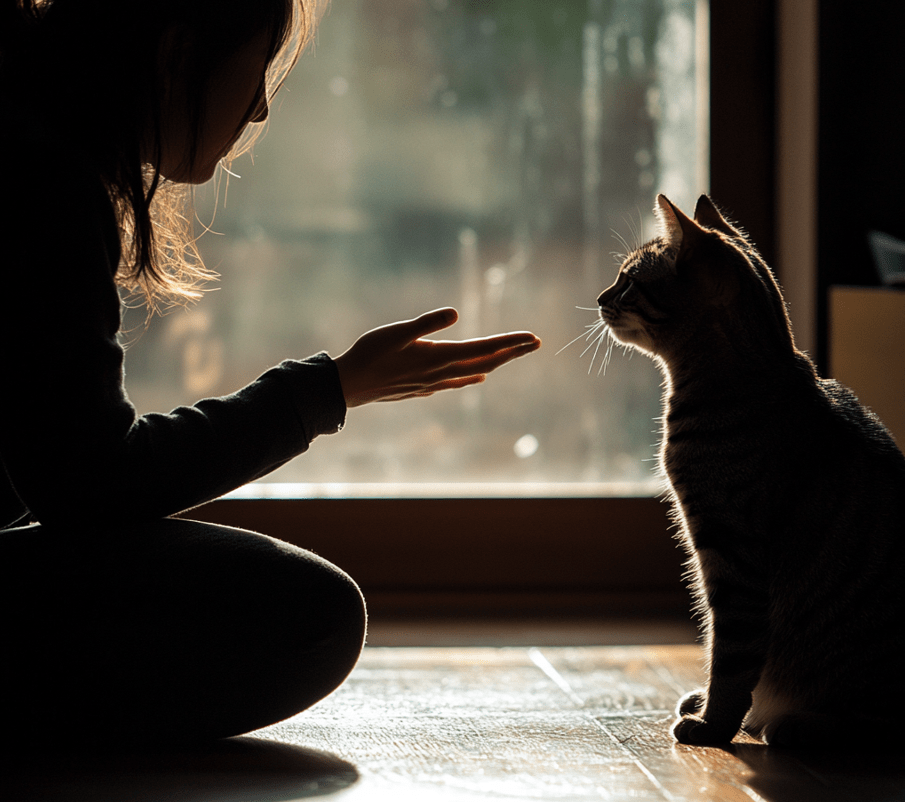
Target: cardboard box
(867, 349)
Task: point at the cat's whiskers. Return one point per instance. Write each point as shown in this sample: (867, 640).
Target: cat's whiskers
(626, 248)
(597, 340)
(584, 335)
(637, 232)
(594, 334)
(609, 352)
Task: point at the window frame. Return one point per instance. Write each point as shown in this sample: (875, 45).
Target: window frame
(549, 556)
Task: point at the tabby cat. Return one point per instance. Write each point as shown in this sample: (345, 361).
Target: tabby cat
(789, 497)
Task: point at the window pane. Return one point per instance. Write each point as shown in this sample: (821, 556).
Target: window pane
(487, 154)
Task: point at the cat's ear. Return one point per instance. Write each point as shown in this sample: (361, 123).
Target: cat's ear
(707, 215)
(678, 230)
(695, 257)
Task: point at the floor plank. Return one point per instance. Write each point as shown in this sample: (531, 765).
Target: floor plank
(476, 723)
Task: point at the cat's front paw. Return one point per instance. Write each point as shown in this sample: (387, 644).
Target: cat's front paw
(691, 702)
(694, 730)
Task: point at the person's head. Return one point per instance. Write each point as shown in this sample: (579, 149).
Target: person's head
(195, 133)
(148, 90)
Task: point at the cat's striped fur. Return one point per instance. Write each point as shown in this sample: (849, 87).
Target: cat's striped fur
(789, 497)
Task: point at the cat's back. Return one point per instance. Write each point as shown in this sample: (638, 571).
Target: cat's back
(818, 424)
(849, 438)
(832, 514)
(851, 420)
(784, 452)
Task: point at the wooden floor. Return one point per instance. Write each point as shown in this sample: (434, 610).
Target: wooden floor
(460, 724)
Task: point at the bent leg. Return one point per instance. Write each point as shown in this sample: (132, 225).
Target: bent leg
(172, 631)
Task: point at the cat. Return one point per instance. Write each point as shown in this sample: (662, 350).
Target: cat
(788, 495)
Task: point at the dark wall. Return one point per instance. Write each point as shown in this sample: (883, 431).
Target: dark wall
(861, 168)
(742, 116)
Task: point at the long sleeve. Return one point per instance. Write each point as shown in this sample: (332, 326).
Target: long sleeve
(71, 443)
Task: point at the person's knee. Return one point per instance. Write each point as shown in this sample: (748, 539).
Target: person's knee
(344, 622)
(290, 634)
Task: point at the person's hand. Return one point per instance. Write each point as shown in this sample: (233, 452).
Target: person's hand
(393, 362)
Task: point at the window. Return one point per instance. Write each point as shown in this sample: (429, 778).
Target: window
(486, 155)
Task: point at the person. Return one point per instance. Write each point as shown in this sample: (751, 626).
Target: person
(122, 624)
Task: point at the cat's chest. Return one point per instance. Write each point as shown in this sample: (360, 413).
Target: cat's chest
(719, 459)
(721, 431)
(706, 448)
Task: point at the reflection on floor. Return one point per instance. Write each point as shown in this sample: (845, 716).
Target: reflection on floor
(461, 724)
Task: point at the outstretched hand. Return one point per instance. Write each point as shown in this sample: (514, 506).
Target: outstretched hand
(394, 362)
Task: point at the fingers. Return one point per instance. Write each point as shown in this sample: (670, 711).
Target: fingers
(394, 362)
(448, 373)
(486, 363)
(422, 391)
(453, 375)
(430, 322)
(469, 350)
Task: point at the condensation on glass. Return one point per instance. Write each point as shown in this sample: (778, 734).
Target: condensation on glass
(492, 155)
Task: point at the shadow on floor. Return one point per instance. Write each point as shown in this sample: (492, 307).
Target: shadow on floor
(778, 776)
(233, 770)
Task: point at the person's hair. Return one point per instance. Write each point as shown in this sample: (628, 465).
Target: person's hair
(95, 71)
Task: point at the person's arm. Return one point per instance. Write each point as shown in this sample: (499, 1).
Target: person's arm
(71, 441)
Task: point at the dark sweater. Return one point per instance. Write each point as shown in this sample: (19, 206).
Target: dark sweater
(72, 446)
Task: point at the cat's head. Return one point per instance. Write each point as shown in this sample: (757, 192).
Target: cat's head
(700, 277)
